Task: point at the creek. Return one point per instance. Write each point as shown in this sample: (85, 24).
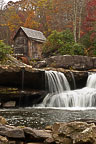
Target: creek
(60, 104)
(41, 117)
(60, 94)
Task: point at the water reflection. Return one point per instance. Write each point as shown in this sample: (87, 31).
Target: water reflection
(39, 118)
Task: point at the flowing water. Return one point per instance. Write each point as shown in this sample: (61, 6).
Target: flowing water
(60, 95)
(73, 78)
(41, 117)
(60, 104)
(56, 81)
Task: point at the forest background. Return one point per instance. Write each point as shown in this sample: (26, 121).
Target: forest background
(69, 25)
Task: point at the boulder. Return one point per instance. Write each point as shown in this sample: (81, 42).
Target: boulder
(74, 133)
(35, 143)
(76, 62)
(12, 142)
(3, 120)
(11, 132)
(37, 135)
(40, 64)
(9, 104)
(3, 140)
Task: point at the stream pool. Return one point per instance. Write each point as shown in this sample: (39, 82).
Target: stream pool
(41, 117)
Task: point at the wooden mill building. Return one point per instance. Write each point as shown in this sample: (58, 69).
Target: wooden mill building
(28, 42)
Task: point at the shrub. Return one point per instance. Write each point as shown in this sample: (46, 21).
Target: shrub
(89, 41)
(62, 43)
(4, 49)
(78, 49)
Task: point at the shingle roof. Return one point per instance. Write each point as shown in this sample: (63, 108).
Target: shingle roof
(34, 34)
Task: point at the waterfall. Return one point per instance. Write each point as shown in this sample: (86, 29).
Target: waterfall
(74, 83)
(91, 82)
(56, 81)
(60, 94)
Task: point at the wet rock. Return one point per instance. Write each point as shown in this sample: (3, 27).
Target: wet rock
(49, 141)
(40, 64)
(37, 135)
(3, 120)
(48, 127)
(71, 62)
(74, 133)
(12, 76)
(62, 133)
(15, 142)
(12, 142)
(35, 143)
(3, 140)
(9, 104)
(11, 132)
(11, 97)
(89, 121)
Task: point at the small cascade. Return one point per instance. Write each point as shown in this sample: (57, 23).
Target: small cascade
(60, 94)
(23, 70)
(74, 83)
(56, 82)
(91, 82)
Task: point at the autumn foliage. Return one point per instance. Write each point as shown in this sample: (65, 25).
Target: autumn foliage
(78, 16)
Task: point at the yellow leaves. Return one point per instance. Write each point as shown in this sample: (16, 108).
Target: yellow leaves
(42, 3)
(3, 25)
(30, 21)
(13, 20)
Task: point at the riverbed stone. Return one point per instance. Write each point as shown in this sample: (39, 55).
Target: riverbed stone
(49, 127)
(3, 120)
(9, 104)
(12, 142)
(38, 135)
(35, 143)
(11, 132)
(3, 140)
(49, 141)
(74, 133)
(15, 142)
(40, 64)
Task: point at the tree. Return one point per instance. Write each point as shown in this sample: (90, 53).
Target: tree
(89, 28)
(89, 23)
(62, 43)
(31, 21)
(78, 6)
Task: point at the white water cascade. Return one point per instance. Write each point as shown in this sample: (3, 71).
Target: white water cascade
(56, 82)
(60, 94)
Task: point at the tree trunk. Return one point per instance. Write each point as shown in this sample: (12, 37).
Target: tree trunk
(75, 20)
(80, 18)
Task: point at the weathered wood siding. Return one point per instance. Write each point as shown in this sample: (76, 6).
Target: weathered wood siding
(34, 49)
(21, 43)
(39, 49)
(27, 46)
(30, 48)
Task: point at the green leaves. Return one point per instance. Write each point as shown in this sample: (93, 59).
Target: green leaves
(62, 43)
(4, 49)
